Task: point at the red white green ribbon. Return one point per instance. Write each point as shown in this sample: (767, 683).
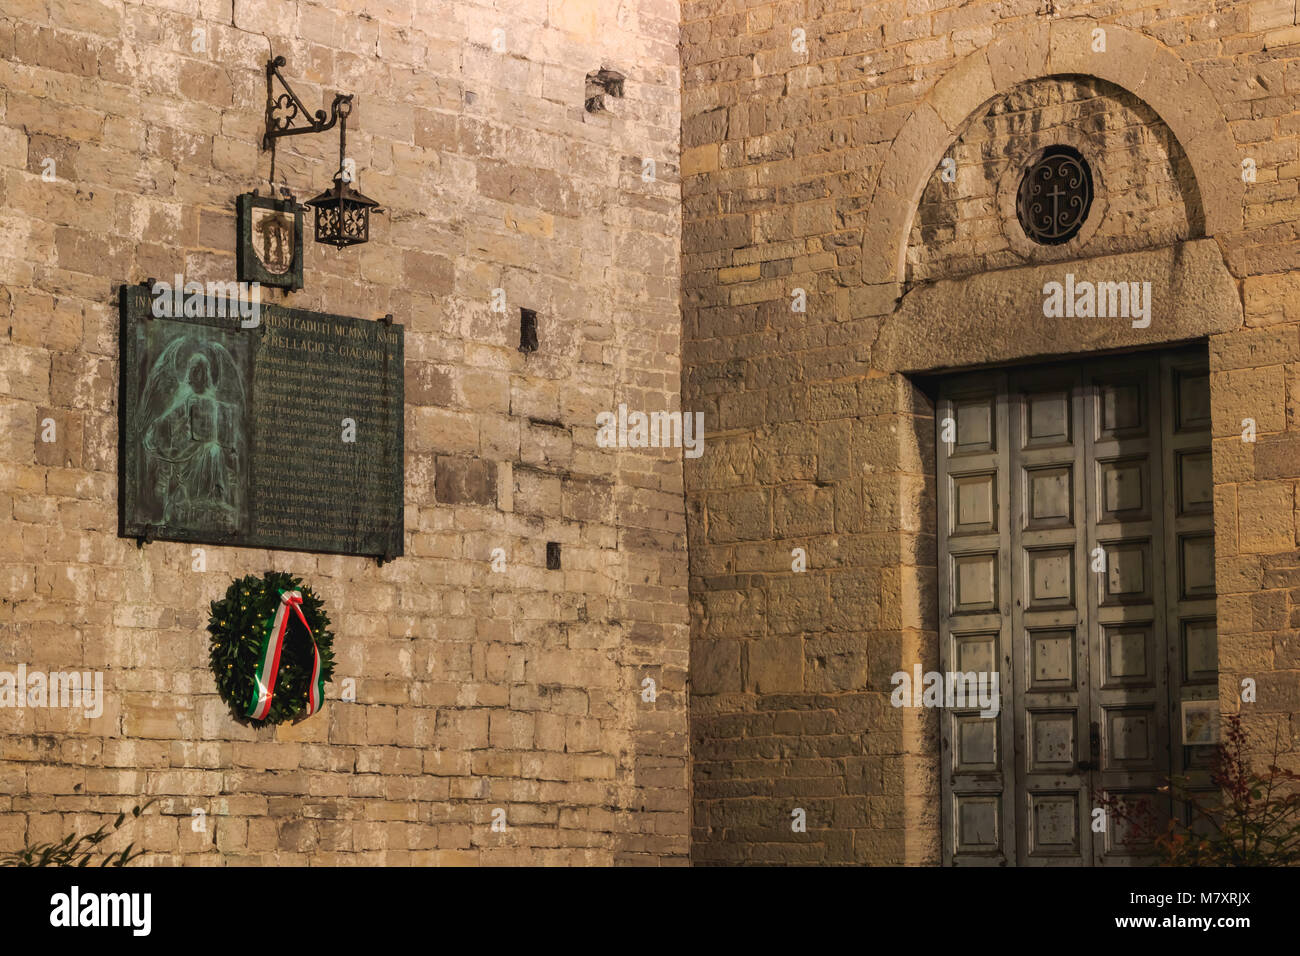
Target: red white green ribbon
(269, 665)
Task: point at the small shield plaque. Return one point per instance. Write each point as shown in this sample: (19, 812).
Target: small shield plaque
(270, 241)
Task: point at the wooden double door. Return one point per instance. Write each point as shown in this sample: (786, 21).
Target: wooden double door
(1076, 560)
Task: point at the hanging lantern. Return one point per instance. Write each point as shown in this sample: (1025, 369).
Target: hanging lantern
(342, 215)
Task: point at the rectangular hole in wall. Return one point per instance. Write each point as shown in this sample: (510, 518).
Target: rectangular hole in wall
(527, 330)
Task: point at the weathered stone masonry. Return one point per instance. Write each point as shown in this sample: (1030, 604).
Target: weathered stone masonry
(808, 138)
(818, 169)
(476, 690)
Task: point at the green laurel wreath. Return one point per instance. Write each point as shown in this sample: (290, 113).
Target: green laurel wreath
(238, 625)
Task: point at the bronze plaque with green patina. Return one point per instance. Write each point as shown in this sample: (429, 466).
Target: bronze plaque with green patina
(263, 427)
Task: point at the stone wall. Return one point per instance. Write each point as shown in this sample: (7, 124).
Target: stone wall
(817, 254)
(126, 131)
(811, 136)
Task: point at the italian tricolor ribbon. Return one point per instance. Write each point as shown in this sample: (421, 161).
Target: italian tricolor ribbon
(269, 664)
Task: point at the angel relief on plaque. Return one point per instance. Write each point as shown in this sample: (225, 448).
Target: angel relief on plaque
(189, 419)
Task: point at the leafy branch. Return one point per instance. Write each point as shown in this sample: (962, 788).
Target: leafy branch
(1251, 818)
(75, 850)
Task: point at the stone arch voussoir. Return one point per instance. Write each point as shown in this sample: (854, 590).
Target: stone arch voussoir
(1147, 69)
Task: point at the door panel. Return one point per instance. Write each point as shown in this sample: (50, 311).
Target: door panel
(1050, 675)
(1124, 425)
(1076, 561)
(1192, 647)
(974, 501)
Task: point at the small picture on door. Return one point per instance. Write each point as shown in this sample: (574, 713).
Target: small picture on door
(1200, 723)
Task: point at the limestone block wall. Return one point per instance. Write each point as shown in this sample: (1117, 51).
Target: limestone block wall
(126, 131)
(811, 136)
(1144, 193)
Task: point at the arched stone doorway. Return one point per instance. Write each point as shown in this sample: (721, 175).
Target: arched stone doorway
(995, 316)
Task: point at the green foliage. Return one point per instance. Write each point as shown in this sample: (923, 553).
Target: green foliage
(1251, 818)
(75, 850)
(238, 624)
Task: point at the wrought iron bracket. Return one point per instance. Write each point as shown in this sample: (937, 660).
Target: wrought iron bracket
(284, 108)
